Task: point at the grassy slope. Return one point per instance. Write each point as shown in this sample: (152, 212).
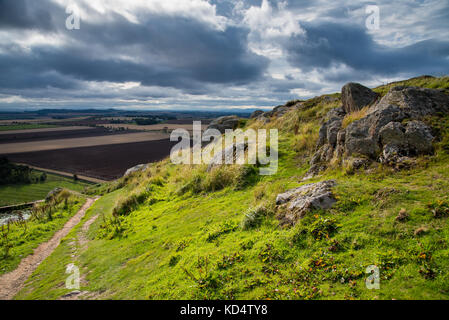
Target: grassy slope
(187, 245)
(22, 193)
(25, 238)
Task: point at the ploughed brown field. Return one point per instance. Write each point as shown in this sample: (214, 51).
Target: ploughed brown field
(91, 152)
(106, 162)
(32, 135)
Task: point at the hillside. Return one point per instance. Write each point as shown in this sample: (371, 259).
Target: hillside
(183, 232)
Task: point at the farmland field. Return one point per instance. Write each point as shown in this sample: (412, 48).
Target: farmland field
(22, 193)
(88, 141)
(27, 126)
(91, 147)
(54, 134)
(105, 162)
(154, 127)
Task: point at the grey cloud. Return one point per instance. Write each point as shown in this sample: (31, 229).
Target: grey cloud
(26, 14)
(329, 44)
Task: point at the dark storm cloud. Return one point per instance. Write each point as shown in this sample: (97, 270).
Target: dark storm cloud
(26, 14)
(172, 52)
(176, 54)
(189, 47)
(328, 44)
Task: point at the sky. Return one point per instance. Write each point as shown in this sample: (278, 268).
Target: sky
(210, 55)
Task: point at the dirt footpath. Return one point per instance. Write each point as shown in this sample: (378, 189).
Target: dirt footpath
(11, 283)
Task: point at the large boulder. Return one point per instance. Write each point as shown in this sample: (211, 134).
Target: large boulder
(294, 204)
(355, 96)
(223, 123)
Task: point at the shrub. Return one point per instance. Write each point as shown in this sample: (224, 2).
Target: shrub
(174, 260)
(219, 178)
(127, 205)
(323, 228)
(253, 217)
(194, 184)
(439, 208)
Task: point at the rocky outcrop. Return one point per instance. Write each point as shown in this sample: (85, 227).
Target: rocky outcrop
(139, 167)
(294, 204)
(392, 129)
(53, 193)
(256, 114)
(277, 112)
(354, 97)
(223, 123)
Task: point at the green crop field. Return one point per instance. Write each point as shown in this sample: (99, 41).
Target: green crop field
(22, 193)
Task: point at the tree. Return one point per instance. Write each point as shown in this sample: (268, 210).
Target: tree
(43, 177)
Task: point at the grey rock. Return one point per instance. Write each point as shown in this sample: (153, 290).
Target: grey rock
(224, 123)
(139, 167)
(355, 97)
(359, 141)
(392, 133)
(391, 153)
(329, 130)
(256, 114)
(341, 137)
(53, 193)
(332, 131)
(294, 204)
(419, 137)
(416, 102)
(358, 163)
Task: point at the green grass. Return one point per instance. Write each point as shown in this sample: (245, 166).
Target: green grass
(24, 238)
(190, 244)
(25, 127)
(22, 193)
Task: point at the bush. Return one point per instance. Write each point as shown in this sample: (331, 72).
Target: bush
(439, 208)
(174, 260)
(323, 228)
(253, 217)
(130, 203)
